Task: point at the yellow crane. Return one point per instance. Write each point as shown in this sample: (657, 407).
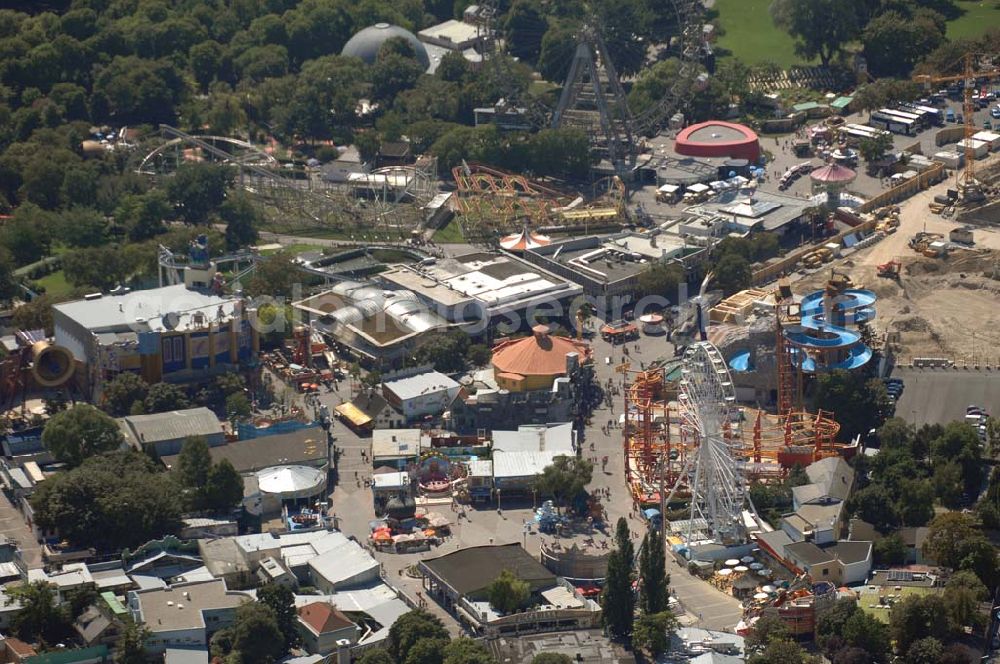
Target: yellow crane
(968, 186)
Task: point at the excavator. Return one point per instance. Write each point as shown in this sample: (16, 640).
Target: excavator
(889, 270)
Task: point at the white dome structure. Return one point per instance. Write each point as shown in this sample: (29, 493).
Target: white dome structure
(366, 43)
(291, 482)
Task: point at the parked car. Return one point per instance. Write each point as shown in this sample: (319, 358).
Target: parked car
(995, 112)
(949, 115)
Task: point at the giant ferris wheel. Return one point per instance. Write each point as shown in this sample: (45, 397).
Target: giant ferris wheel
(715, 473)
(592, 97)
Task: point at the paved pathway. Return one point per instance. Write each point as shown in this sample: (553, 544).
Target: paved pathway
(13, 526)
(353, 503)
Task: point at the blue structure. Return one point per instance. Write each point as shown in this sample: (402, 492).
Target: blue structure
(824, 334)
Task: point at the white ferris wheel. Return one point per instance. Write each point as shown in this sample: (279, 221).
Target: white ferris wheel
(715, 473)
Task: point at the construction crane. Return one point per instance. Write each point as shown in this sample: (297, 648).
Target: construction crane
(968, 186)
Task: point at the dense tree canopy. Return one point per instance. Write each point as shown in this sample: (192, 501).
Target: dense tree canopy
(79, 433)
(109, 502)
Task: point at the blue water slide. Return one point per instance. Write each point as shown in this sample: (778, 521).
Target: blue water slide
(853, 306)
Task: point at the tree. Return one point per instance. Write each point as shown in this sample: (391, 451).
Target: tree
(109, 502)
(275, 276)
(478, 355)
(8, 282)
(224, 487)
(426, 651)
(39, 618)
(617, 600)
(894, 42)
(963, 594)
(281, 601)
(204, 60)
(821, 28)
(860, 402)
(890, 550)
(507, 593)
(652, 575)
(122, 391)
(197, 190)
(80, 226)
(947, 537)
(885, 92)
(959, 443)
(623, 541)
(830, 625)
(653, 631)
(733, 273)
(782, 651)
(238, 407)
(768, 629)
(661, 279)
(165, 397)
(194, 463)
(376, 656)
(391, 74)
(241, 219)
(143, 214)
(25, 235)
(925, 651)
(525, 26)
(445, 350)
(134, 90)
(919, 616)
(81, 432)
(410, 628)
(874, 149)
(864, 631)
(131, 645)
(466, 651)
(256, 636)
(565, 478)
(556, 54)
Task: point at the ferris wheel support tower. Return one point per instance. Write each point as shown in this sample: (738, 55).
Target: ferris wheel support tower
(714, 474)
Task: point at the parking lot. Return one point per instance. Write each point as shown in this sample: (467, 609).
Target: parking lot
(939, 396)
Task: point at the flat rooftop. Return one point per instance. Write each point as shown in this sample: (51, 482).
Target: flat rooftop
(770, 210)
(156, 309)
(306, 446)
(491, 280)
(716, 133)
(472, 569)
(180, 607)
(610, 259)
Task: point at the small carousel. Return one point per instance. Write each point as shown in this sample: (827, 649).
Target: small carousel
(437, 475)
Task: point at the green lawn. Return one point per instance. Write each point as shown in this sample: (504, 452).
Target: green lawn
(751, 35)
(869, 602)
(977, 17)
(55, 284)
(450, 234)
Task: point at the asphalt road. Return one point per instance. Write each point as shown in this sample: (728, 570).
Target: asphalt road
(941, 395)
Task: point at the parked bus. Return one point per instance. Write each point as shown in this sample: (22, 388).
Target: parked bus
(894, 124)
(933, 115)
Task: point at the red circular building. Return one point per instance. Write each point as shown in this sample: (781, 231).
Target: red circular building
(719, 139)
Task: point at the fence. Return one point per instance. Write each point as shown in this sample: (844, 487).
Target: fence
(774, 270)
(904, 190)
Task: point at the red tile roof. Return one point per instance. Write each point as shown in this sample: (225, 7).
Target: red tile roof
(323, 618)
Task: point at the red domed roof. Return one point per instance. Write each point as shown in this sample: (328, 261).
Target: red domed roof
(833, 173)
(538, 355)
